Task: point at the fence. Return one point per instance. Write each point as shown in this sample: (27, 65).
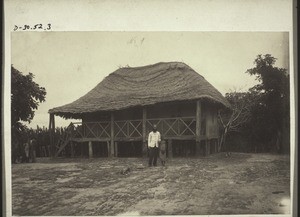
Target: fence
(42, 136)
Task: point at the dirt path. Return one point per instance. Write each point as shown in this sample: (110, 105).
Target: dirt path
(241, 184)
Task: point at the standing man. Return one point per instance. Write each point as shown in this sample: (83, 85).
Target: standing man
(153, 143)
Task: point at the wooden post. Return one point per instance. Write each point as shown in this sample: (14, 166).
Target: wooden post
(90, 149)
(198, 121)
(145, 147)
(112, 135)
(170, 149)
(198, 127)
(51, 132)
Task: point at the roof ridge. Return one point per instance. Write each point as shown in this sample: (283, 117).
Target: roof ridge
(151, 65)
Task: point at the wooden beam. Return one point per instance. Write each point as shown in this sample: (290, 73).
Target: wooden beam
(112, 135)
(128, 139)
(50, 131)
(179, 137)
(50, 124)
(198, 120)
(53, 122)
(63, 145)
(198, 127)
(144, 143)
(144, 124)
(90, 139)
(90, 149)
(51, 134)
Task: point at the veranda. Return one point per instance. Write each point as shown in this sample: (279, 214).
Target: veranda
(190, 129)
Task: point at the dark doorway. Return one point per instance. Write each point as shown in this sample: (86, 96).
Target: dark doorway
(100, 149)
(81, 149)
(184, 148)
(213, 146)
(130, 149)
(202, 148)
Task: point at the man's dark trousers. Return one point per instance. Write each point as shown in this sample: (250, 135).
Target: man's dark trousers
(153, 154)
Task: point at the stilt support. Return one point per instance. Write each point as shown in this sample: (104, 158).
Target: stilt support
(90, 149)
(111, 149)
(52, 132)
(144, 143)
(198, 127)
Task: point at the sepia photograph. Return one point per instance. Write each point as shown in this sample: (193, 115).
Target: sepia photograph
(150, 123)
(149, 108)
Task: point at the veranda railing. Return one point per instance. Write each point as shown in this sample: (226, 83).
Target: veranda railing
(179, 126)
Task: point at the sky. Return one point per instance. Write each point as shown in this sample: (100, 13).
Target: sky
(69, 64)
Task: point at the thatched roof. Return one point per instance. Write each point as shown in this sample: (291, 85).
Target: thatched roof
(141, 86)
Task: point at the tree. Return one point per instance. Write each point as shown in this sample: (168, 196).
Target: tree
(232, 120)
(270, 116)
(260, 115)
(26, 95)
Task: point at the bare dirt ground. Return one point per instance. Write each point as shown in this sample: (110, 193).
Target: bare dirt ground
(241, 184)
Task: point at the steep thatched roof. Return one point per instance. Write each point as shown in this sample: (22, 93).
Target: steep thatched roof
(141, 86)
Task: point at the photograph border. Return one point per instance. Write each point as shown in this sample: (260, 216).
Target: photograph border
(131, 15)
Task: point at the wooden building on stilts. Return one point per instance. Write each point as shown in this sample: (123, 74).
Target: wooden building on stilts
(119, 112)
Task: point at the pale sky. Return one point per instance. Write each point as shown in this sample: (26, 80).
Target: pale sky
(69, 64)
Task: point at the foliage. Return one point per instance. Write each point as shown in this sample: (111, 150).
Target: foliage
(270, 117)
(267, 106)
(26, 95)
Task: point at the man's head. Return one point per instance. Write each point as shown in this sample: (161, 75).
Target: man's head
(154, 128)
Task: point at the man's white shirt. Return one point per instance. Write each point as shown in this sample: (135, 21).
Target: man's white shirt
(153, 139)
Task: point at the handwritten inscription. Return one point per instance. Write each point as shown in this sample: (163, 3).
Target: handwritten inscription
(45, 27)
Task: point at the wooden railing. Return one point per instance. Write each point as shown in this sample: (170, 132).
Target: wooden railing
(92, 130)
(184, 126)
(126, 129)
